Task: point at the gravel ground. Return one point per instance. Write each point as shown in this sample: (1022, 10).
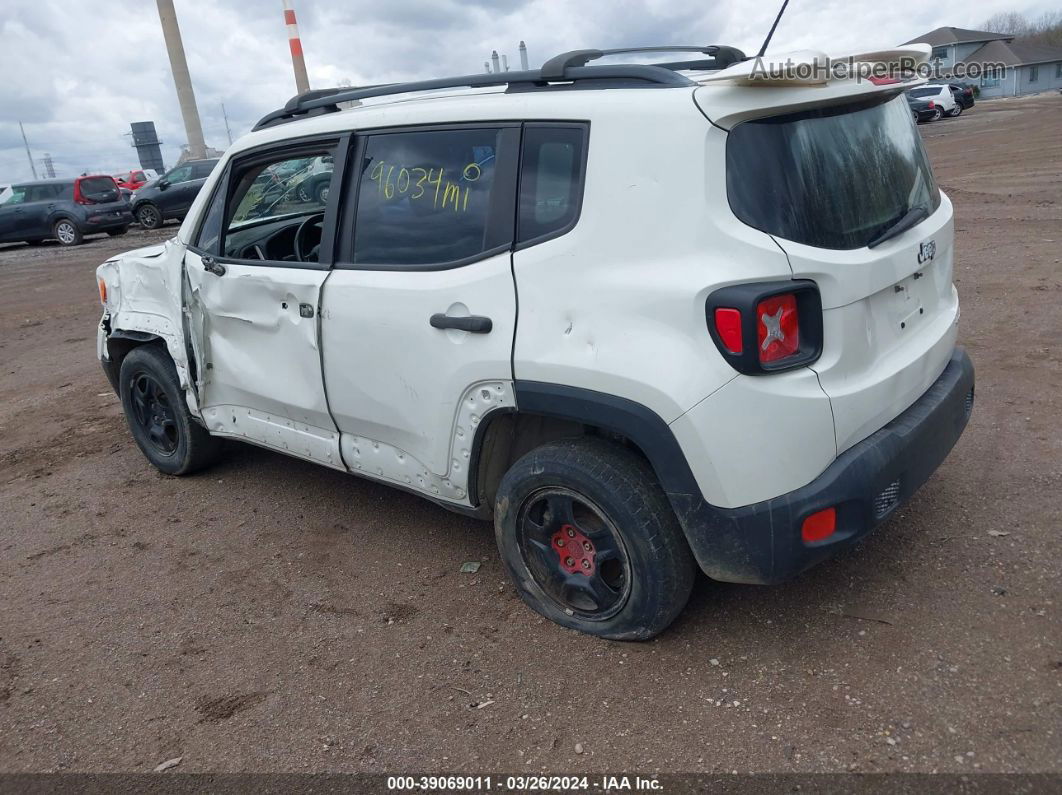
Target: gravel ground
(270, 615)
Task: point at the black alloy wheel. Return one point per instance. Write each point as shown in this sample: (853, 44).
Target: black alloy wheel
(574, 553)
(154, 413)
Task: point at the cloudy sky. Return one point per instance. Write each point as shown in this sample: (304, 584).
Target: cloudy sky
(76, 73)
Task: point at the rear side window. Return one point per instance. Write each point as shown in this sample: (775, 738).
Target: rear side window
(930, 91)
(551, 180)
(434, 197)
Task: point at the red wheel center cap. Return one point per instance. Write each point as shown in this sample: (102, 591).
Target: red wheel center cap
(576, 551)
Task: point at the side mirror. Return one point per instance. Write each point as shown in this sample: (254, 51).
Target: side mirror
(163, 184)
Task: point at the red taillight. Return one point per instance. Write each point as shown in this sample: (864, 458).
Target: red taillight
(766, 327)
(79, 197)
(819, 526)
(777, 328)
(931, 105)
(728, 326)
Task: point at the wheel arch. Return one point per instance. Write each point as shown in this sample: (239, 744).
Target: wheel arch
(119, 344)
(546, 412)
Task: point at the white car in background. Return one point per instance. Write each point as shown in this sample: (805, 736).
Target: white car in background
(941, 95)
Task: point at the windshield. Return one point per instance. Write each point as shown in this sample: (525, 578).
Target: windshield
(832, 177)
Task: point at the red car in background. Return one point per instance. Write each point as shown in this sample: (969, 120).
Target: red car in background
(137, 178)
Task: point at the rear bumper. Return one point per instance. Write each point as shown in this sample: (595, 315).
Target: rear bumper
(761, 543)
(110, 220)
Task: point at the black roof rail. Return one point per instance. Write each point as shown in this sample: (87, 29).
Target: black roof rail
(568, 67)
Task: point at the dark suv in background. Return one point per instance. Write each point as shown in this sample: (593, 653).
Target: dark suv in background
(172, 194)
(64, 209)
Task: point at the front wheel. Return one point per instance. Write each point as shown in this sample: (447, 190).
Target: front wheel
(67, 233)
(149, 216)
(938, 114)
(158, 415)
(321, 193)
(956, 112)
(590, 540)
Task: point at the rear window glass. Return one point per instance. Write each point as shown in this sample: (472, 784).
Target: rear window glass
(426, 197)
(832, 177)
(99, 189)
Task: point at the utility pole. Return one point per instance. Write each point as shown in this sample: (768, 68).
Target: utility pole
(302, 80)
(33, 168)
(225, 116)
(182, 80)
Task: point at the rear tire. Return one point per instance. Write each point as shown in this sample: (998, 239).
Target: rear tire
(321, 193)
(148, 216)
(158, 416)
(938, 114)
(956, 112)
(67, 233)
(590, 540)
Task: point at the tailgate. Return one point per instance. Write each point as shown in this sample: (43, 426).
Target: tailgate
(845, 189)
(889, 322)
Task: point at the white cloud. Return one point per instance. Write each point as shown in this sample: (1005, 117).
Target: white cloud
(78, 73)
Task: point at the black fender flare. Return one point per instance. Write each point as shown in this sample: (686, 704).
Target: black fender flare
(642, 426)
(127, 339)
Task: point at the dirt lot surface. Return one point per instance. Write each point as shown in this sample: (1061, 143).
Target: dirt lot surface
(271, 615)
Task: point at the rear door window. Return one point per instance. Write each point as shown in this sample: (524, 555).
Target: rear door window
(551, 180)
(832, 177)
(435, 197)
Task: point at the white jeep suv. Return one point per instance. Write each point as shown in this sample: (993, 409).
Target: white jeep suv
(647, 318)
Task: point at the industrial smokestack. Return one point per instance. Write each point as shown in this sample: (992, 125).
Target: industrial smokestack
(523, 56)
(302, 80)
(494, 60)
(182, 80)
(505, 63)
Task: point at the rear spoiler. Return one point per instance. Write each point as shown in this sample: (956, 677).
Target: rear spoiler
(812, 67)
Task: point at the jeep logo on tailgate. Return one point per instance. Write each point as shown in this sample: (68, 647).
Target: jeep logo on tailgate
(927, 251)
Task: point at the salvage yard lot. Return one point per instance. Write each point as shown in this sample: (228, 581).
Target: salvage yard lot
(274, 615)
